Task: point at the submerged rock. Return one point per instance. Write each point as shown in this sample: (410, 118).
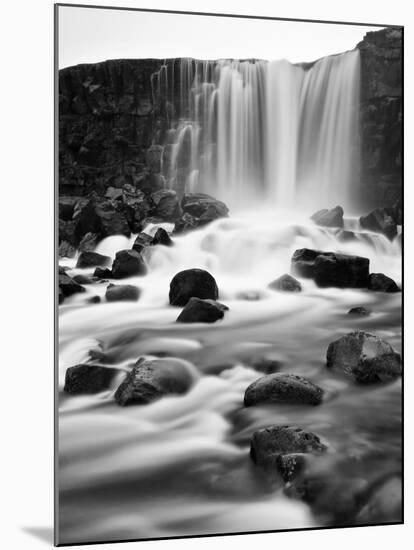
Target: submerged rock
(329, 218)
(94, 300)
(192, 283)
(82, 279)
(92, 259)
(364, 357)
(202, 311)
(381, 283)
(283, 388)
(286, 283)
(330, 269)
(268, 444)
(122, 293)
(151, 379)
(87, 379)
(266, 365)
(128, 263)
(383, 503)
(380, 221)
(361, 311)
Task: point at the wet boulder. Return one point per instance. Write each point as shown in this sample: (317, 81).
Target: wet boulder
(150, 380)
(67, 286)
(166, 204)
(202, 311)
(142, 241)
(364, 357)
(92, 259)
(66, 250)
(161, 237)
(267, 444)
(329, 218)
(380, 221)
(102, 273)
(122, 293)
(203, 207)
(283, 388)
(330, 269)
(186, 223)
(341, 270)
(286, 283)
(82, 279)
(359, 311)
(88, 379)
(303, 262)
(128, 263)
(94, 300)
(381, 283)
(192, 283)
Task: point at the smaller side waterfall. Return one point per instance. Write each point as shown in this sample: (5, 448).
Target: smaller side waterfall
(253, 129)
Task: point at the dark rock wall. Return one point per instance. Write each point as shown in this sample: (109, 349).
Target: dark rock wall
(381, 116)
(110, 122)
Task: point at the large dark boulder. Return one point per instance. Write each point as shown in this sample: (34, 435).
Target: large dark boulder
(87, 379)
(102, 273)
(341, 270)
(267, 444)
(142, 241)
(290, 466)
(283, 388)
(151, 379)
(203, 207)
(161, 237)
(166, 204)
(380, 221)
(364, 357)
(122, 293)
(202, 311)
(286, 283)
(101, 217)
(381, 283)
(329, 218)
(330, 269)
(192, 283)
(67, 286)
(92, 259)
(128, 263)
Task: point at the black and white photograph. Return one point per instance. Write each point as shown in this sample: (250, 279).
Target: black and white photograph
(229, 275)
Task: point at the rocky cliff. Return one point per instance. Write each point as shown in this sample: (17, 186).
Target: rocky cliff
(381, 116)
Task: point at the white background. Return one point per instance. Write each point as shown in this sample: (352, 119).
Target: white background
(26, 286)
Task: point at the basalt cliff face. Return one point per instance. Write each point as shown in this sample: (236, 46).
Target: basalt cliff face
(381, 120)
(111, 120)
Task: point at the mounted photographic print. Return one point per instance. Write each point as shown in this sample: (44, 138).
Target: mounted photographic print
(229, 271)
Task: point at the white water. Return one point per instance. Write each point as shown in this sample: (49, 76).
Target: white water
(265, 130)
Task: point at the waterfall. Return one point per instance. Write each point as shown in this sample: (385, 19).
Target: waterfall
(246, 130)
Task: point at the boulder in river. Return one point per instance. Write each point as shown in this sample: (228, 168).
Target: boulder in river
(67, 286)
(283, 388)
(202, 311)
(102, 273)
(192, 283)
(364, 357)
(94, 300)
(92, 259)
(87, 379)
(286, 283)
(122, 293)
(359, 311)
(266, 365)
(204, 207)
(330, 269)
(383, 502)
(329, 218)
(82, 279)
(66, 250)
(142, 241)
(381, 283)
(128, 263)
(380, 221)
(151, 379)
(268, 444)
(161, 237)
